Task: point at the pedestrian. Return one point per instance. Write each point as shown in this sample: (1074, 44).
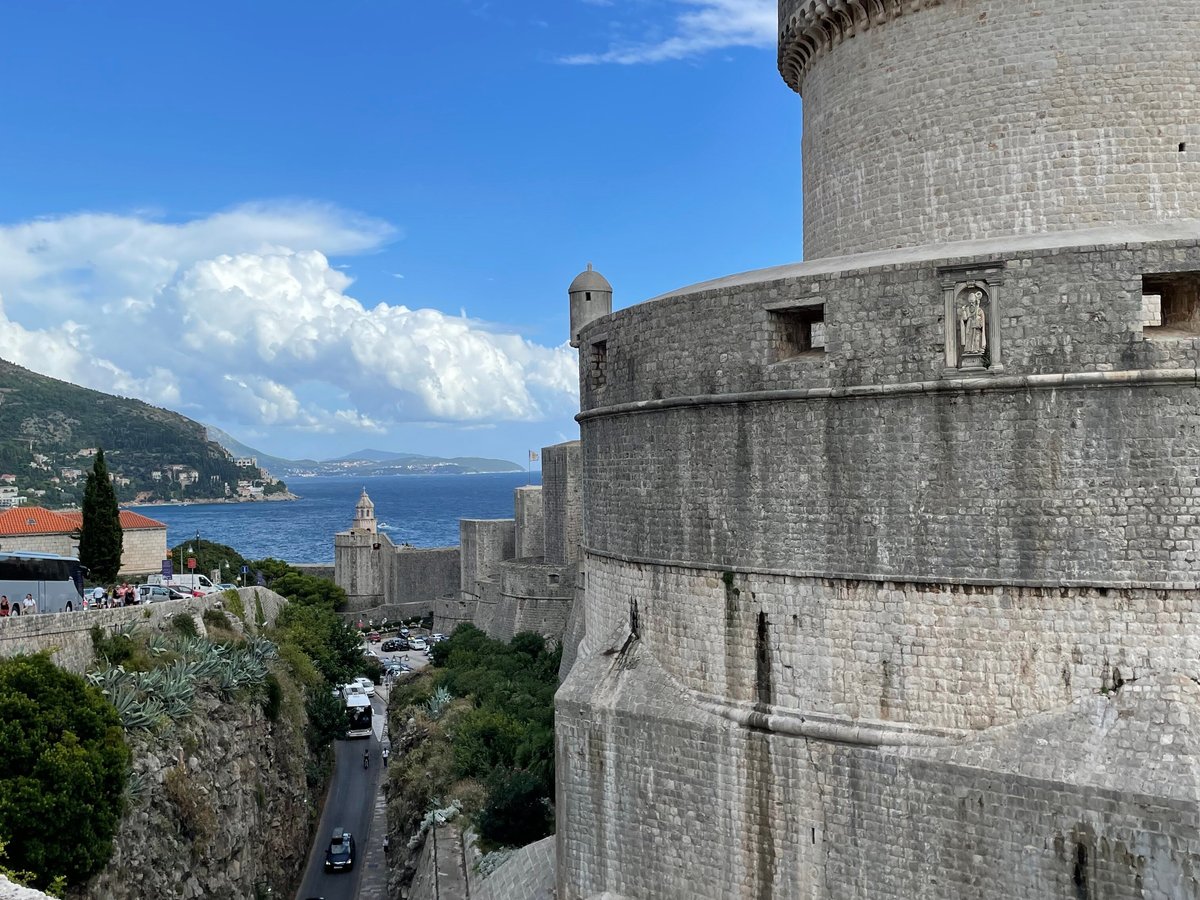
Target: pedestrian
(386, 754)
(30, 604)
(4, 607)
(386, 844)
(16, 607)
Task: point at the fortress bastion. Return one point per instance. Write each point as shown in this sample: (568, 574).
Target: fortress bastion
(888, 576)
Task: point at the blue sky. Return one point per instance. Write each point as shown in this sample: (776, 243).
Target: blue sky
(330, 226)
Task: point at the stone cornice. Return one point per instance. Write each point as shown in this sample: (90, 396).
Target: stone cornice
(810, 28)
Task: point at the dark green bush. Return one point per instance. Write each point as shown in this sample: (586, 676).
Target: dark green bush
(517, 811)
(115, 647)
(273, 701)
(64, 771)
(185, 624)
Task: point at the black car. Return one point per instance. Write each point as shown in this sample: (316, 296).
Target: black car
(339, 856)
(391, 645)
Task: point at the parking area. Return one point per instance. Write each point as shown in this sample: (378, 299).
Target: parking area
(400, 653)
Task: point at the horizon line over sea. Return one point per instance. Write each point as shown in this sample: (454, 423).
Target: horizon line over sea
(422, 510)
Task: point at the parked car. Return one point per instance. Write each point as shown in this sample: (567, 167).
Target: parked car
(404, 631)
(339, 855)
(373, 637)
(436, 638)
(226, 586)
(156, 593)
(367, 685)
(417, 644)
(393, 645)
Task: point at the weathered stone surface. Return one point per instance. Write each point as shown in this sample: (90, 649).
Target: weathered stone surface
(868, 611)
(928, 121)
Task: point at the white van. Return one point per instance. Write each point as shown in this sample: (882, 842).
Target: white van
(193, 583)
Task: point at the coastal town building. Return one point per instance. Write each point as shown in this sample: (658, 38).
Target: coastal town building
(888, 571)
(143, 546)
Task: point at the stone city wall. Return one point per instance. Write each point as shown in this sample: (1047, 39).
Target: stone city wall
(381, 579)
(562, 497)
(1058, 310)
(530, 521)
(483, 544)
(1081, 476)
(932, 656)
(1068, 806)
(67, 636)
(990, 117)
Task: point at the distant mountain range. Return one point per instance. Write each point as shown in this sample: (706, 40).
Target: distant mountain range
(363, 462)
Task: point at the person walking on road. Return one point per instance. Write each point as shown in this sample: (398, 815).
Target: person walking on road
(386, 754)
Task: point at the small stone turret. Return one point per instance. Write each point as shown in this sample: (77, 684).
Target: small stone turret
(364, 515)
(591, 298)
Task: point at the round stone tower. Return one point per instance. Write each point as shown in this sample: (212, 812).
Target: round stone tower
(890, 569)
(928, 121)
(364, 515)
(591, 299)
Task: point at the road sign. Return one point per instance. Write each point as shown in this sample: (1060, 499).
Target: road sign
(191, 562)
(245, 570)
(167, 569)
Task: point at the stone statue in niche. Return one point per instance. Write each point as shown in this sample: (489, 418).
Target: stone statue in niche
(972, 328)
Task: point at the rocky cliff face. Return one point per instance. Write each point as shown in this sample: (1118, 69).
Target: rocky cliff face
(221, 804)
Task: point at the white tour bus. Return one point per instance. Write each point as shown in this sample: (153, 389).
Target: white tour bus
(56, 582)
(358, 711)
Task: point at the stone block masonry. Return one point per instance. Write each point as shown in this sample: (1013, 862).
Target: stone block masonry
(929, 121)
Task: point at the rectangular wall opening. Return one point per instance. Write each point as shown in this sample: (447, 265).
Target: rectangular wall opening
(799, 331)
(1171, 305)
(598, 365)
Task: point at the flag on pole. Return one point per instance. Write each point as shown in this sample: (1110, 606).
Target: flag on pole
(533, 456)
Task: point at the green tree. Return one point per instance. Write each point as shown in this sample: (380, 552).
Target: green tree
(100, 535)
(64, 771)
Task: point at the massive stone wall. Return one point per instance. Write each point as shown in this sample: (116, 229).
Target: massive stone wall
(1092, 801)
(562, 497)
(845, 586)
(381, 579)
(956, 120)
(865, 461)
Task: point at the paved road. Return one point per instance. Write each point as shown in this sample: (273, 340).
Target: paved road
(351, 805)
(353, 797)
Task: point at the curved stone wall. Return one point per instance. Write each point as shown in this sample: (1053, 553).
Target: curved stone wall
(931, 123)
(887, 654)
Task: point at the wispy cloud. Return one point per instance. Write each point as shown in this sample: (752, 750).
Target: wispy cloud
(700, 27)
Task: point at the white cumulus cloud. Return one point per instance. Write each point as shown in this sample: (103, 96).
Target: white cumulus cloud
(700, 26)
(240, 317)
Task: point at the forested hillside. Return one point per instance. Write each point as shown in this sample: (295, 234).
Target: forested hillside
(48, 428)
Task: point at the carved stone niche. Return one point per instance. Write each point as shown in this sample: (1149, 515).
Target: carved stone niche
(971, 294)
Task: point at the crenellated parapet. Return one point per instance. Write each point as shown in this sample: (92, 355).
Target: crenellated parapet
(809, 28)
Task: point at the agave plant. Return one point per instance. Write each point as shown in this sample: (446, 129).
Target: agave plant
(436, 705)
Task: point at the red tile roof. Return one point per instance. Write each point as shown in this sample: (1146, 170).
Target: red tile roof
(36, 520)
(130, 521)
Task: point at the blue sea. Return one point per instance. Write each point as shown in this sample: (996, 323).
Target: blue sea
(422, 510)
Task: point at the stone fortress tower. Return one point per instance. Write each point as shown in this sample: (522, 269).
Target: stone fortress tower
(889, 558)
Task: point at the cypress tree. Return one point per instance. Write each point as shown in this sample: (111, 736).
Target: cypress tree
(101, 536)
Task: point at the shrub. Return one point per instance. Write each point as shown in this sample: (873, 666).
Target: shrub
(116, 647)
(65, 761)
(233, 602)
(185, 624)
(517, 810)
(273, 701)
(197, 820)
(214, 618)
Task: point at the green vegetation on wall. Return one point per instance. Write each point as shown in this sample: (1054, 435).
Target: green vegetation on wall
(492, 747)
